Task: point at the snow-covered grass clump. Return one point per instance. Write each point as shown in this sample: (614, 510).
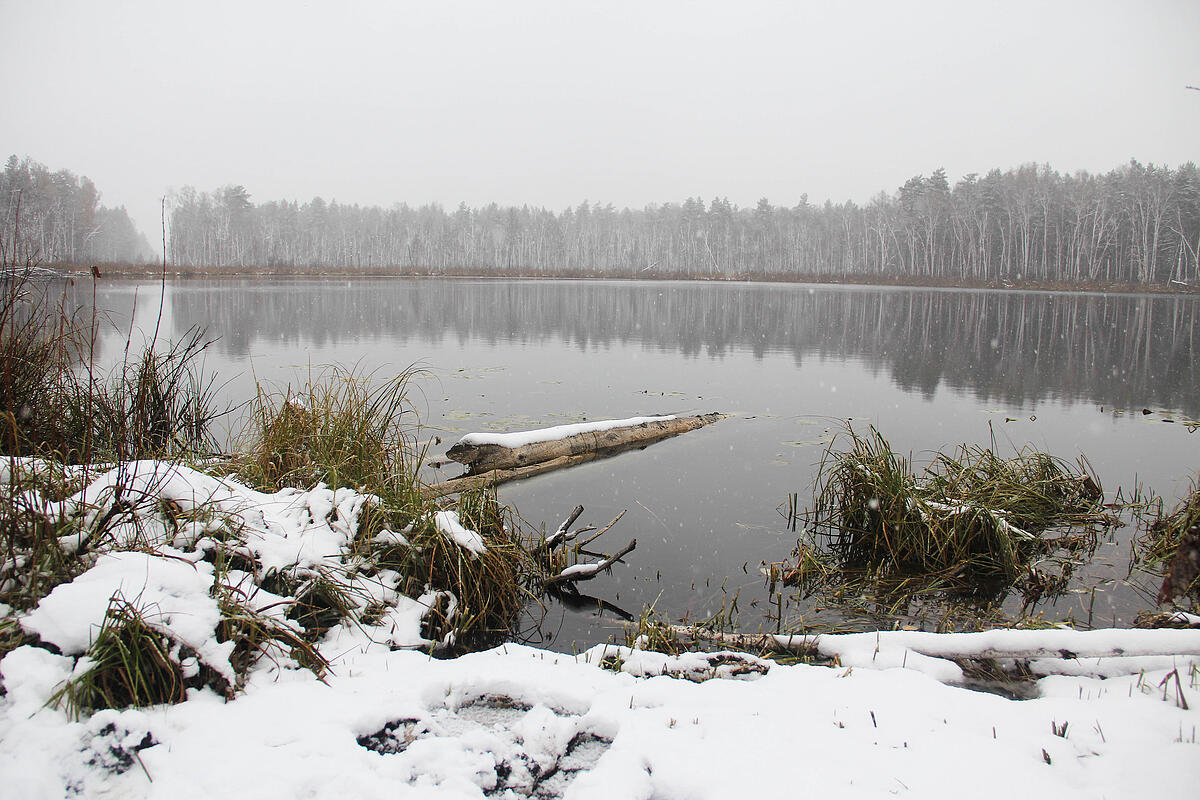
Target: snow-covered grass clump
(970, 525)
(166, 579)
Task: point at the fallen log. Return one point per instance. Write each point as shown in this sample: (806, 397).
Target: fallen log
(493, 477)
(984, 645)
(485, 452)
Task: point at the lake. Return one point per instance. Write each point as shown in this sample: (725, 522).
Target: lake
(1109, 376)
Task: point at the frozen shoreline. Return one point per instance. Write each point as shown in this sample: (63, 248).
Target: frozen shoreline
(387, 720)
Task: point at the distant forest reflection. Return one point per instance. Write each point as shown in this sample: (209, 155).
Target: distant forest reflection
(1010, 347)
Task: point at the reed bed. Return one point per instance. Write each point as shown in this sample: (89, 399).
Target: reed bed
(1169, 547)
(158, 404)
(970, 523)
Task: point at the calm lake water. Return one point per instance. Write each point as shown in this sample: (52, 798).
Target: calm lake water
(1066, 373)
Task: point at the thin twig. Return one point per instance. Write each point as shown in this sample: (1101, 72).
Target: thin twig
(602, 531)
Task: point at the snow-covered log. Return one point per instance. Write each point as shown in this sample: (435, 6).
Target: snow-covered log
(484, 452)
(1054, 643)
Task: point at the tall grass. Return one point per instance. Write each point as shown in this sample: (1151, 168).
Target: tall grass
(52, 404)
(38, 346)
(342, 429)
(1170, 547)
(969, 521)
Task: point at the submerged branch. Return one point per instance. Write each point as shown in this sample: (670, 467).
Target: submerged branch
(585, 572)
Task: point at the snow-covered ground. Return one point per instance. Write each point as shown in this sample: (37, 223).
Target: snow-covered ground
(889, 719)
(400, 724)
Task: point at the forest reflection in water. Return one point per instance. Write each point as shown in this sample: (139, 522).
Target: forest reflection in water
(1067, 373)
(1014, 347)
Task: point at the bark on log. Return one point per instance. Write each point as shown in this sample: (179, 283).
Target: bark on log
(483, 458)
(493, 477)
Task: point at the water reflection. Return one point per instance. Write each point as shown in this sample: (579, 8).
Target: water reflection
(789, 362)
(1015, 348)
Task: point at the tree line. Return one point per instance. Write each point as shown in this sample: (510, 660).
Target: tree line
(1137, 224)
(56, 217)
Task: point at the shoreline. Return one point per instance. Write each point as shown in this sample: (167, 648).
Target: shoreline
(884, 281)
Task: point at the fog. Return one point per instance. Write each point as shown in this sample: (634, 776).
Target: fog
(550, 104)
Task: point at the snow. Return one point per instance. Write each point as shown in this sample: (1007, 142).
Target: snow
(554, 434)
(579, 569)
(447, 522)
(173, 593)
(466, 723)
(388, 721)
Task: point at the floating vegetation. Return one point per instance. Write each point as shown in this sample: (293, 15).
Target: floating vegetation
(970, 526)
(652, 632)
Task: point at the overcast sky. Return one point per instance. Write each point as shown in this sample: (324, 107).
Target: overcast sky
(552, 103)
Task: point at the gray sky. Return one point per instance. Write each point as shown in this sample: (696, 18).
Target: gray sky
(552, 103)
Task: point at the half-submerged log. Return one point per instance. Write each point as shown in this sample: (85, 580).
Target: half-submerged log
(497, 476)
(484, 452)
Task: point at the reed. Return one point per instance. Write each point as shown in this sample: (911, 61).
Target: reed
(969, 522)
(1159, 542)
(341, 428)
(158, 405)
(1169, 547)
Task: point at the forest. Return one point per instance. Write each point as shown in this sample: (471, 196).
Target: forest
(56, 218)
(1138, 224)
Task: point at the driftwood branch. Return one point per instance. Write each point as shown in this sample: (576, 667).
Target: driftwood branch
(561, 536)
(491, 465)
(482, 458)
(585, 572)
